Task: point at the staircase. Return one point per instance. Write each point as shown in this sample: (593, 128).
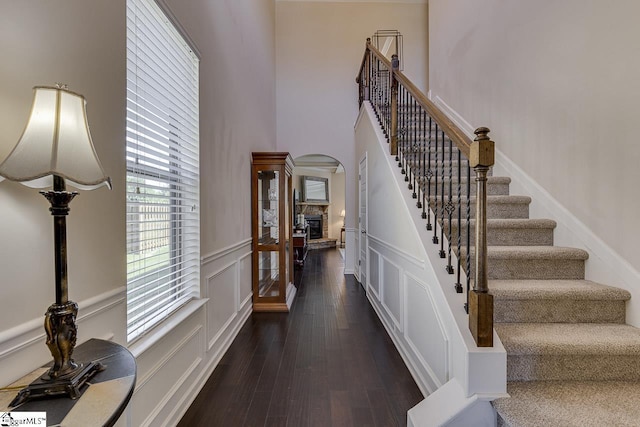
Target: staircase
(571, 359)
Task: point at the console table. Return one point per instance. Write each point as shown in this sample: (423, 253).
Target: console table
(101, 402)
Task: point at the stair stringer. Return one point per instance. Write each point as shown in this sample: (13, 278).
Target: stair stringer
(399, 240)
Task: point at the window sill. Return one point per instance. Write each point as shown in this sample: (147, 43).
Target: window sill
(143, 344)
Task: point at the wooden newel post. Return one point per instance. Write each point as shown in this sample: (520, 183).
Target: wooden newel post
(481, 158)
(395, 65)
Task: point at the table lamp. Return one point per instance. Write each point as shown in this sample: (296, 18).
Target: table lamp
(342, 214)
(56, 147)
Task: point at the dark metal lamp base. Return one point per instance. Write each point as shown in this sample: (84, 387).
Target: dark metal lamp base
(68, 386)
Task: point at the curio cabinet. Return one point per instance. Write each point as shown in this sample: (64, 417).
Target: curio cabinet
(272, 227)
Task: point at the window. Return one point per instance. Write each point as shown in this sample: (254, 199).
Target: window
(163, 222)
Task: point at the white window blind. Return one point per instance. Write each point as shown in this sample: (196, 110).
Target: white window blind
(163, 223)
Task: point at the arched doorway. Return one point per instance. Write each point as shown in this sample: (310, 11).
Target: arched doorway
(320, 197)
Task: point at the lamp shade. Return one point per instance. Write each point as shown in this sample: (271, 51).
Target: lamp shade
(342, 213)
(56, 141)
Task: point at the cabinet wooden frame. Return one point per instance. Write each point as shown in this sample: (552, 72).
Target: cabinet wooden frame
(280, 199)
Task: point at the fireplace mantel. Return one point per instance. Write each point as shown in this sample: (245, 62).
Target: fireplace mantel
(313, 204)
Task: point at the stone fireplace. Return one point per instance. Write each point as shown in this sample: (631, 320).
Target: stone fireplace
(315, 226)
(316, 211)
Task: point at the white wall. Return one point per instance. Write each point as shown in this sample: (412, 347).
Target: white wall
(237, 105)
(319, 47)
(557, 82)
(83, 44)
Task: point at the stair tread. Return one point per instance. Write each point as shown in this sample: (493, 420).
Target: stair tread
(533, 253)
(512, 223)
(570, 403)
(490, 179)
(555, 289)
(569, 338)
(504, 199)
(536, 252)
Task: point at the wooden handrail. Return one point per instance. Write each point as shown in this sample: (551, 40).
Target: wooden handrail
(363, 63)
(371, 49)
(462, 141)
(379, 55)
(457, 135)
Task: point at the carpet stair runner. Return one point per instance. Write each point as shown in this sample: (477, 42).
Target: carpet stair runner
(571, 359)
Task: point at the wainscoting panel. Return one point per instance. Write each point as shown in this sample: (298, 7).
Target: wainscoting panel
(244, 279)
(407, 311)
(391, 291)
(374, 273)
(424, 331)
(166, 372)
(222, 291)
(173, 370)
(23, 348)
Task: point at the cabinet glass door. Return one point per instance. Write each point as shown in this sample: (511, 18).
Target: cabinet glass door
(271, 224)
(268, 215)
(268, 233)
(287, 228)
(268, 274)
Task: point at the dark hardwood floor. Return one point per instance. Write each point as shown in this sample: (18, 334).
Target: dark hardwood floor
(329, 362)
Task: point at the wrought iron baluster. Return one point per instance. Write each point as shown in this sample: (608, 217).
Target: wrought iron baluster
(379, 100)
(442, 202)
(387, 104)
(458, 285)
(411, 157)
(415, 153)
(429, 173)
(405, 135)
(403, 159)
(403, 132)
(468, 254)
(374, 86)
(400, 121)
(423, 120)
(421, 157)
(450, 207)
(435, 188)
(383, 95)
